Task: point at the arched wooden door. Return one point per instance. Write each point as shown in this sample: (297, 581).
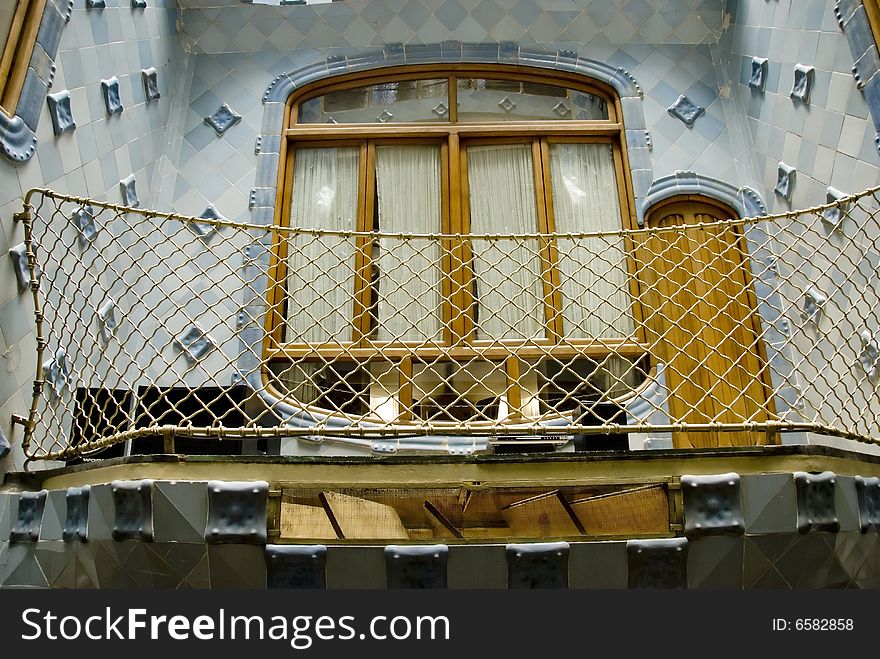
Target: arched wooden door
(699, 311)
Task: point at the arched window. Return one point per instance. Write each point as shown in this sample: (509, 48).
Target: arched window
(431, 264)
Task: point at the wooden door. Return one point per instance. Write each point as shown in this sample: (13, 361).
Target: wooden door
(700, 319)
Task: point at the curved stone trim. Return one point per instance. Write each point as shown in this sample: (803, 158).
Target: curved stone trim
(745, 201)
(450, 52)
(19, 143)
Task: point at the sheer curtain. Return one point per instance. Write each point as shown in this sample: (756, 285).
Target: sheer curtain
(507, 273)
(596, 300)
(408, 189)
(320, 274)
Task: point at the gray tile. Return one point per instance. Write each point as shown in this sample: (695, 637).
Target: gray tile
(296, 566)
(537, 565)
(133, 501)
(76, 521)
(716, 562)
(237, 512)
(101, 513)
(54, 558)
(759, 560)
(29, 517)
(657, 563)
(181, 511)
(846, 503)
(352, 566)
(22, 568)
(816, 501)
(712, 505)
(54, 515)
(477, 567)
(416, 566)
(769, 503)
(597, 565)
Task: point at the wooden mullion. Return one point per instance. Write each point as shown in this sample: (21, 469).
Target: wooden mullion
(513, 370)
(452, 99)
(447, 307)
(364, 243)
(405, 389)
(277, 279)
(550, 253)
(624, 194)
(462, 323)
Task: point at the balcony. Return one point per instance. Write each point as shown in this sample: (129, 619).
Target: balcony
(165, 333)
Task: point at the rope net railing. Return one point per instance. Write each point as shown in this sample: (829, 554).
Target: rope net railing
(715, 333)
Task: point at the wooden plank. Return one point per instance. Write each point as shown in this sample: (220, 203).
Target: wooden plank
(636, 511)
(361, 519)
(543, 516)
(303, 522)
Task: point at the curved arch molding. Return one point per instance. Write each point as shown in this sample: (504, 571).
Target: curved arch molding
(745, 201)
(18, 139)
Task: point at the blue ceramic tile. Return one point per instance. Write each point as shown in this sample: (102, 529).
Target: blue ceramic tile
(133, 502)
(816, 502)
(296, 566)
(151, 84)
(237, 512)
(223, 119)
(60, 111)
(110, 94)
(712, 505)
(537, 565)
(416, 566)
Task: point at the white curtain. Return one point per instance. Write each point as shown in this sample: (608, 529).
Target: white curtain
(596, 300)
(507, 273)
(320, 274)
(408, 188)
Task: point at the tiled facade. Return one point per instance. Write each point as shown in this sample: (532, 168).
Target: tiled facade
(135, 86)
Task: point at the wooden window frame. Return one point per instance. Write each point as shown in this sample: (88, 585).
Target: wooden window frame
(452, 136)
(16, 54)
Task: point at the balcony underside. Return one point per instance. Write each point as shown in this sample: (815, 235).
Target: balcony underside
(695, 518)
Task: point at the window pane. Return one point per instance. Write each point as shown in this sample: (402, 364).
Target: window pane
(507, 271)
(408, 282)
(390, 102)
(505, 100)
(320, 280)
(596, 300)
